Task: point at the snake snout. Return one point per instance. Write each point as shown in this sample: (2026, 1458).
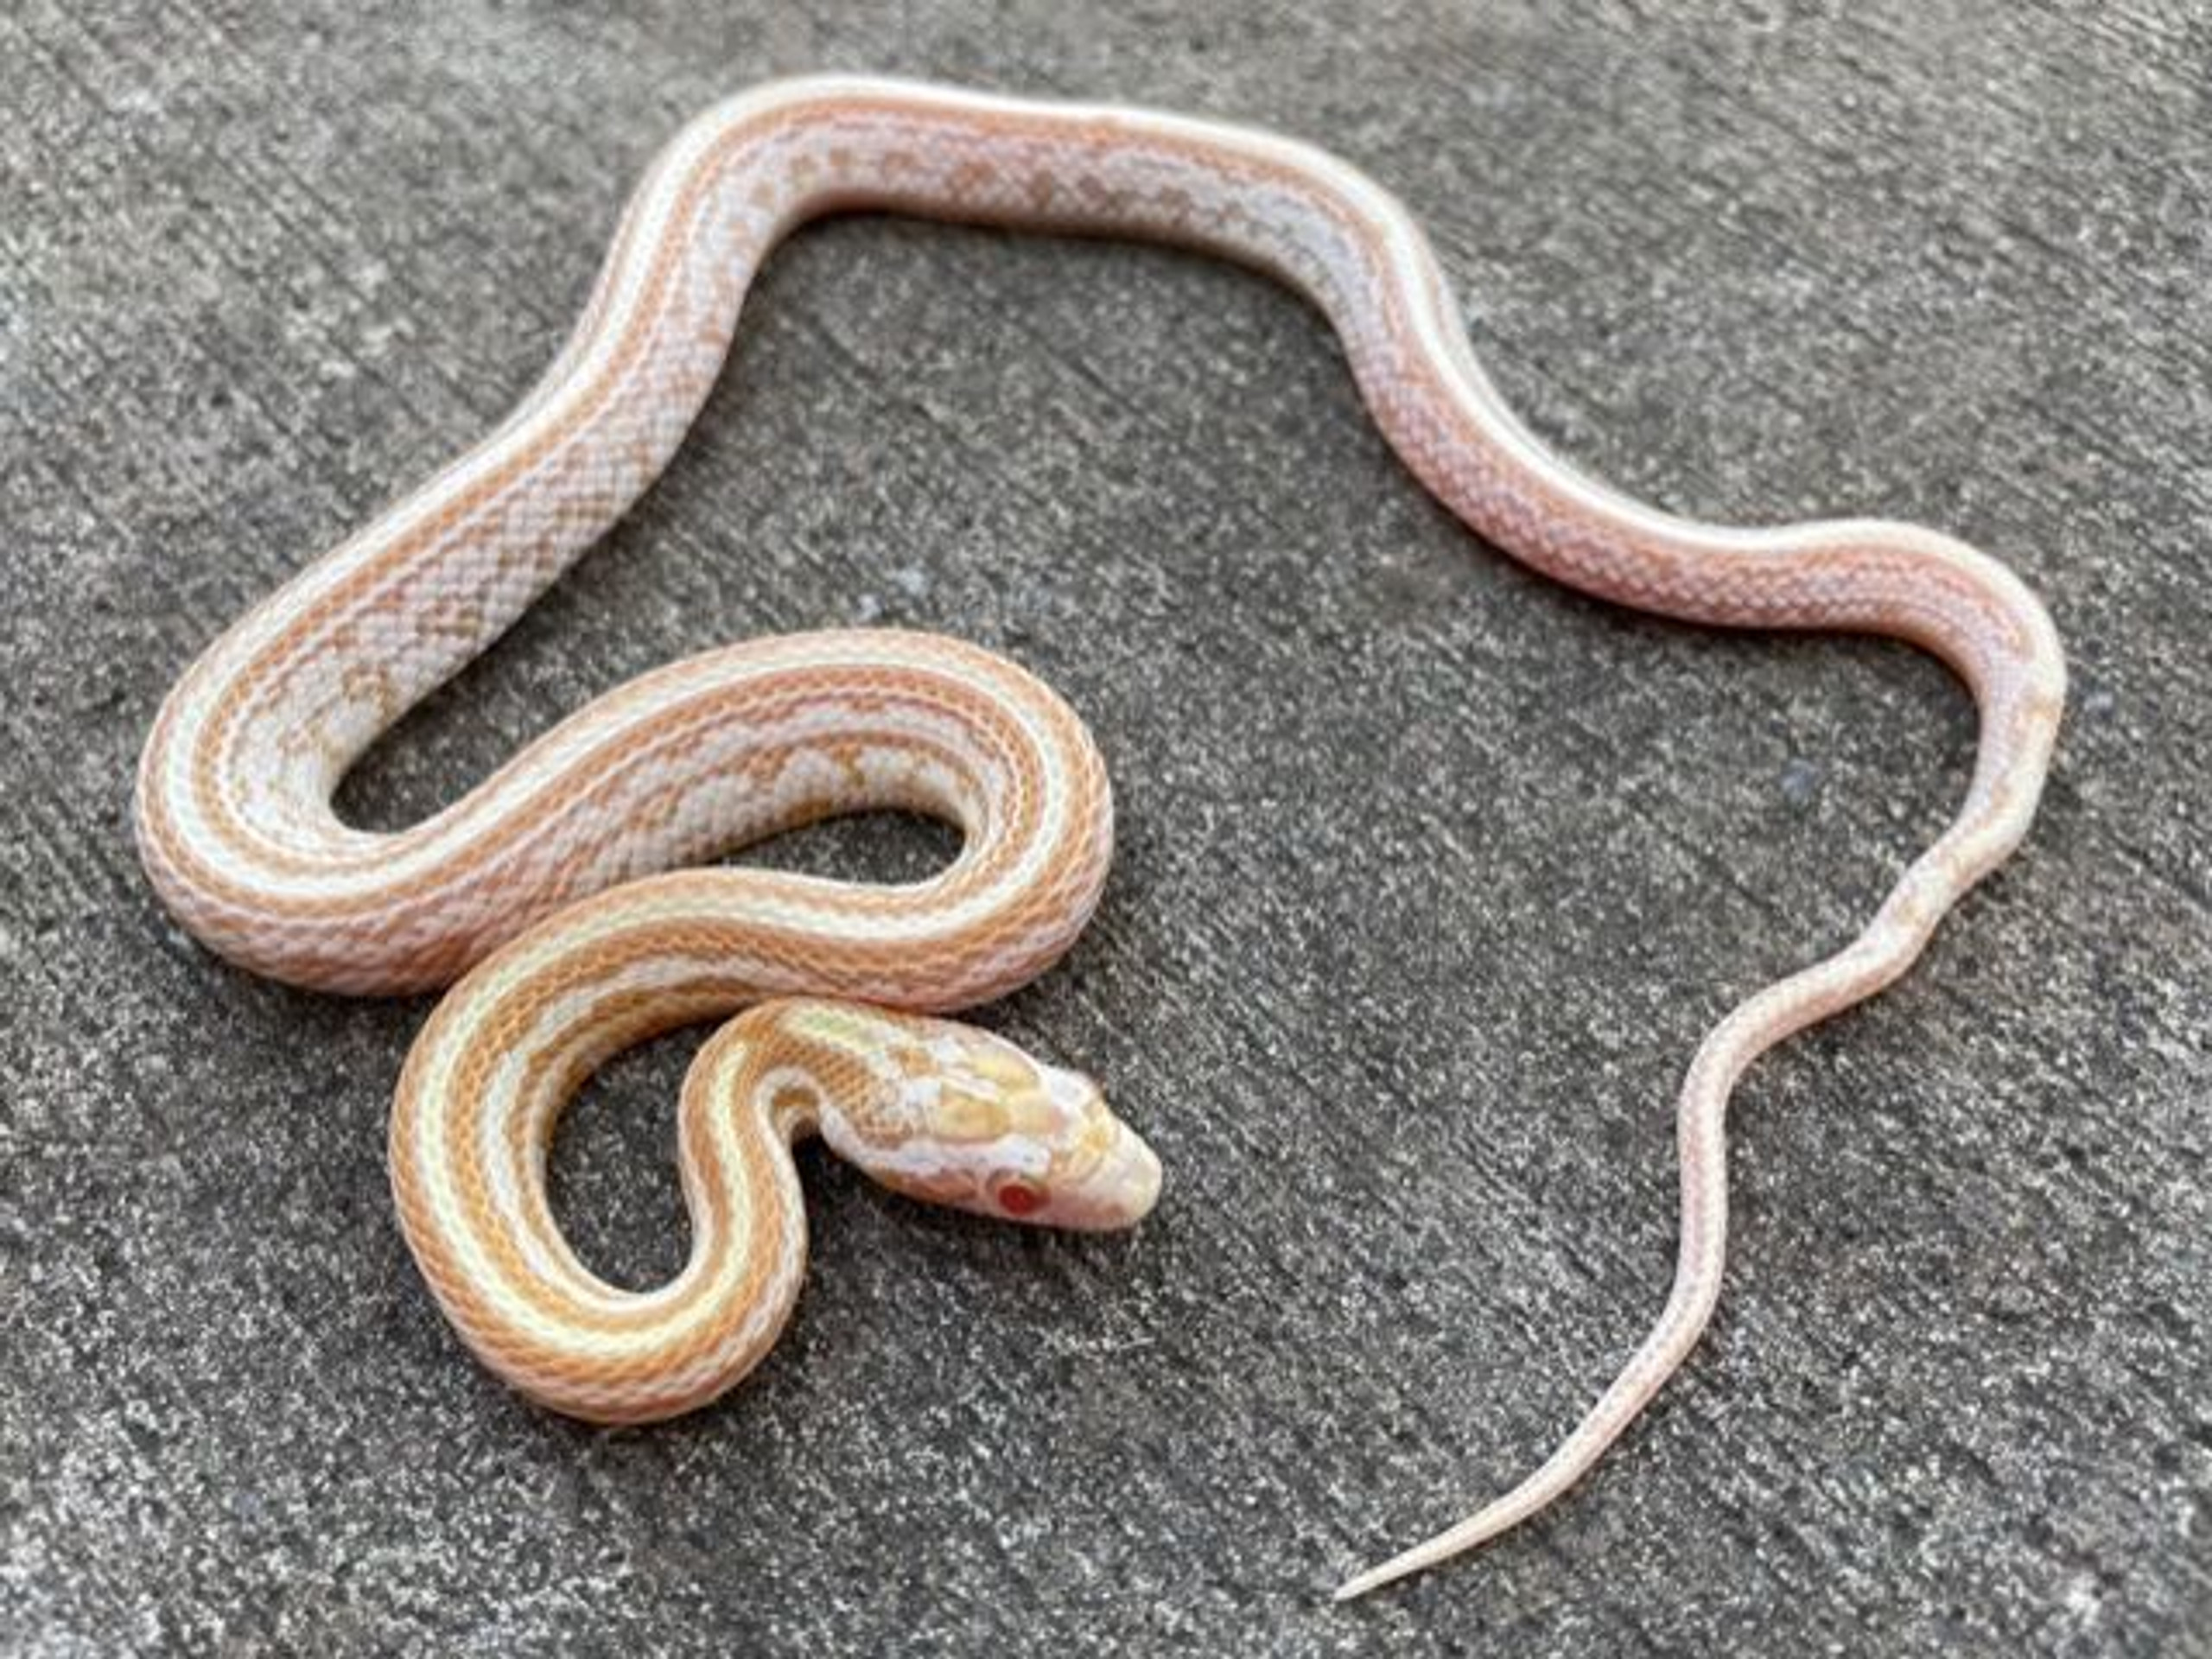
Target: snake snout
(1107, 1177)
(1120, 1190)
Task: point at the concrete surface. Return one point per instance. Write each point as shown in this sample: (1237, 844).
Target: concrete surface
(1433, 875)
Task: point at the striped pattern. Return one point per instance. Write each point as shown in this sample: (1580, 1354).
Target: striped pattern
(938, 1111)
(544, 890)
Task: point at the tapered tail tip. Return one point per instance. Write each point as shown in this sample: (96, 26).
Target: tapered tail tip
(1353, 1589)
(1431, 1551)
(1398, 1567)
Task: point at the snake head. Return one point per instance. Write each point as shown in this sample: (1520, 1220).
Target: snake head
(954, 1115)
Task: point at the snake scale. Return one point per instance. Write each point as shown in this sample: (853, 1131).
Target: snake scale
(562, 898)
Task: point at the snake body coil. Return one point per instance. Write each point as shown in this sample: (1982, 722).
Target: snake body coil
(556, 891)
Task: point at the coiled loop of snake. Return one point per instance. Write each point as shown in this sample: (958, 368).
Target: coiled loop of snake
(537, 886)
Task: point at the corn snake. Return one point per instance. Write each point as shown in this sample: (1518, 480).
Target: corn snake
(557, 896)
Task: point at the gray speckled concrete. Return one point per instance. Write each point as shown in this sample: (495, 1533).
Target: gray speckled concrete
(1431, 875)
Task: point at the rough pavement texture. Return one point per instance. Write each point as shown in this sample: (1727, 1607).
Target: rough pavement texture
(1432, 874)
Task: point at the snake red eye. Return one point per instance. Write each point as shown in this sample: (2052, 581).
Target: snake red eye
(1021, 1198)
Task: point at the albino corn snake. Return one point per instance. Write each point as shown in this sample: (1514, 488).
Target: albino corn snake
(557, 891)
